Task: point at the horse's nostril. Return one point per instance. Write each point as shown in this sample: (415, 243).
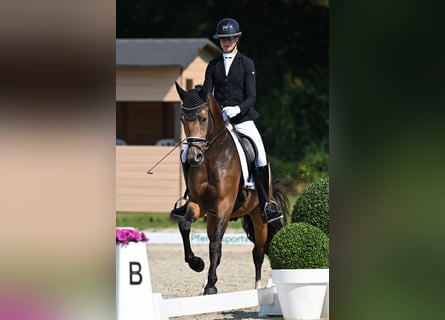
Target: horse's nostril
(196, 159)
(199, 158)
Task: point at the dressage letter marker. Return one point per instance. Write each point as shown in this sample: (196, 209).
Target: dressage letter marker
(134, 297)
(137, 273)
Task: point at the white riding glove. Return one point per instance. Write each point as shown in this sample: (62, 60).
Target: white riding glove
(231, 111)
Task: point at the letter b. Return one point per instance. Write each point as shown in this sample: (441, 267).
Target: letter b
(135, 273)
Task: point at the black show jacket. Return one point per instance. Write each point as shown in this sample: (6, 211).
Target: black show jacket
(238, 88)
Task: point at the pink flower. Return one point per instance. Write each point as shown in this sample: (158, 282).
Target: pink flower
(124, 236)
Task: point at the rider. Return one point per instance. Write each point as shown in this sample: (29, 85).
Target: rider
(231, 78)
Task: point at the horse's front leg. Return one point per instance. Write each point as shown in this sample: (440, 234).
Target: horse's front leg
(216, 227)
(193, 213)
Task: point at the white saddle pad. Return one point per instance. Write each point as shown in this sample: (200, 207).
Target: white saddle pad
(248, 181)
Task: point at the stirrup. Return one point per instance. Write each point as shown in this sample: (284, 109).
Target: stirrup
(179, 211)
(272, 211)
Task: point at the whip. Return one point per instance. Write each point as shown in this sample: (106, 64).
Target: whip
(168, 153)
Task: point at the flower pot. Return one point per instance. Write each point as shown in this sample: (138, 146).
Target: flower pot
(301, 292)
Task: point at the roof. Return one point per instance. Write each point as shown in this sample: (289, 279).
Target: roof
(161, 52)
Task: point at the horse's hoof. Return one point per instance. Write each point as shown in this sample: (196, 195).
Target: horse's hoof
(210, 290)
(197, 264)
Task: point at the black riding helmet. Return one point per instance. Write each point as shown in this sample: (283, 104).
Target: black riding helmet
(227, 27)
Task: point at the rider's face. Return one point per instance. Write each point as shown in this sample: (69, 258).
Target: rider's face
(228, 44)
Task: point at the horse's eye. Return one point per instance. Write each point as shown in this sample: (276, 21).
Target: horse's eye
(203, 119)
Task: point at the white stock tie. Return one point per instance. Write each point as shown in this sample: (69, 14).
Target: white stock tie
(227, 63)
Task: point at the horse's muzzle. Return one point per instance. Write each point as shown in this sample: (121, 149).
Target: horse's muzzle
(196, 150)
(195, 158)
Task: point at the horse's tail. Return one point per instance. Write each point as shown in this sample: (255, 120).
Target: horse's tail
(272, 228)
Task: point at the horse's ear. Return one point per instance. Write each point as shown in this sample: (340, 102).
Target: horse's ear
(201, 92)
(181, 91)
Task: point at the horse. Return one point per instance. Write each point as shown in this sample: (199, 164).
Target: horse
(214, 183)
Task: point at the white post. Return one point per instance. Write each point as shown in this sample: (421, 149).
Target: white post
(325, 309)
(274, 308)
(134, 297)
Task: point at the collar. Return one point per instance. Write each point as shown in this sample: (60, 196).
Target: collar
(231, 54)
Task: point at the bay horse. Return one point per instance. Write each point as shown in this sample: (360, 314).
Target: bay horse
(214, 183)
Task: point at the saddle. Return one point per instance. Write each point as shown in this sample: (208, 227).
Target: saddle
(250, 150)
(250, 153)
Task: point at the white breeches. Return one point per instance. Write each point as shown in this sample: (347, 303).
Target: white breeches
(249, 129)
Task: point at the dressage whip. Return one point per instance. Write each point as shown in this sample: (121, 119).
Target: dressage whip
(168, 153)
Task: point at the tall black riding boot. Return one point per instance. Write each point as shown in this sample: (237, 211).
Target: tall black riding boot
(270, 210)
(180, 212)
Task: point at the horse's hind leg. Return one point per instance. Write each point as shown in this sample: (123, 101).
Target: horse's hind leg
(260, 229)
(195, 263)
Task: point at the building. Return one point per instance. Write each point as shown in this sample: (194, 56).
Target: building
(147, 117)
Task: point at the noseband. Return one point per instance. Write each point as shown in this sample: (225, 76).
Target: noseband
(202, 144)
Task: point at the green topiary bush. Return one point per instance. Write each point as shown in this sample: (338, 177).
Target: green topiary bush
(313, 205)
(299, 246)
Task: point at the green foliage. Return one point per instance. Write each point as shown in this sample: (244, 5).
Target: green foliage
(313, 166)
(143, 220)
(313, 205)
(299, 246)
(281, 168)
(295, 117)
(158, 220)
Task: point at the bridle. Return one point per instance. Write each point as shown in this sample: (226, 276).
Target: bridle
(202, 144)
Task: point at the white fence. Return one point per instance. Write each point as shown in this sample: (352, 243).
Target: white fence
(135, 299)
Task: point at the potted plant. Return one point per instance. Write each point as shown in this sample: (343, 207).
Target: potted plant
(299, 258)
(312, 206)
